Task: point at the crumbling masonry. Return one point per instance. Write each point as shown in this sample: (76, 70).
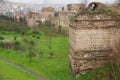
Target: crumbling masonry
(90, 41)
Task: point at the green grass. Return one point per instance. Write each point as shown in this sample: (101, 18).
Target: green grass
(52, 68)
(8, 72)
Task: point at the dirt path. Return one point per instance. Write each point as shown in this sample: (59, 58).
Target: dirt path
(23, 69)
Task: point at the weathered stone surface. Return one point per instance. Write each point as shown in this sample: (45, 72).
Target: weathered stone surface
(91, 42)
(32, 19)
(48, 12)
(18, 17)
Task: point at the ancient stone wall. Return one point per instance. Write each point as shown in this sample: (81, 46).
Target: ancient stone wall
(90, 40)
(64, 20)
(47, 12)
(74, 8)
(32, 19)
(19, 17)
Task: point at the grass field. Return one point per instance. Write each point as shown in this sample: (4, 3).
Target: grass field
(50, 55)
(52, 68)
(8, 72)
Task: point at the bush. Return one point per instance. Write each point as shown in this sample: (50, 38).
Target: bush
(35, 32)
(15, 38)
(23, 33)
(1, 44)
(33, 35)
(17, 45)
(38, 37)
(31, 31)
(1, 38)
(51, 54)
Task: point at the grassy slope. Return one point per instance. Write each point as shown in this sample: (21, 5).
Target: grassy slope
(56, 68)
(50, 68)
(8, 72)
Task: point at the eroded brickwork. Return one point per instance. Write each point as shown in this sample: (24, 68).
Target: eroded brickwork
(90, 40)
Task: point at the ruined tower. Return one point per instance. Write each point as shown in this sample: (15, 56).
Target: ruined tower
(91, 35)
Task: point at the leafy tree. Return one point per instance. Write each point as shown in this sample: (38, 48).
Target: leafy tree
(30, 48)
(33, 52)
(31, 55)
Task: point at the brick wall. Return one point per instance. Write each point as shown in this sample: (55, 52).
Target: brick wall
(91, 40)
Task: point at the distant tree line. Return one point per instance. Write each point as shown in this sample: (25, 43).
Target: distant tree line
(7, 24)
(6, 17)
(10, 28)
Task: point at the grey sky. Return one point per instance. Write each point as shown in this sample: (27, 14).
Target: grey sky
(59, 1)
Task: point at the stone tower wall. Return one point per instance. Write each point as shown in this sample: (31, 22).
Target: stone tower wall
(90, 40)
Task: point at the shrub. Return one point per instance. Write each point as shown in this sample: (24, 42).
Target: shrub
(17, 45)
(38, 37)
(51, 54)
(23, 33)
(35, 32)
(15, 38)
(1, 44)
(56, 14)
(33, 35)
(1, 38)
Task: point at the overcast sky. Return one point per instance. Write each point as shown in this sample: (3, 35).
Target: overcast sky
(59, 1)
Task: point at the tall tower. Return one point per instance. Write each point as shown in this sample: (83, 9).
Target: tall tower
(90, 40)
